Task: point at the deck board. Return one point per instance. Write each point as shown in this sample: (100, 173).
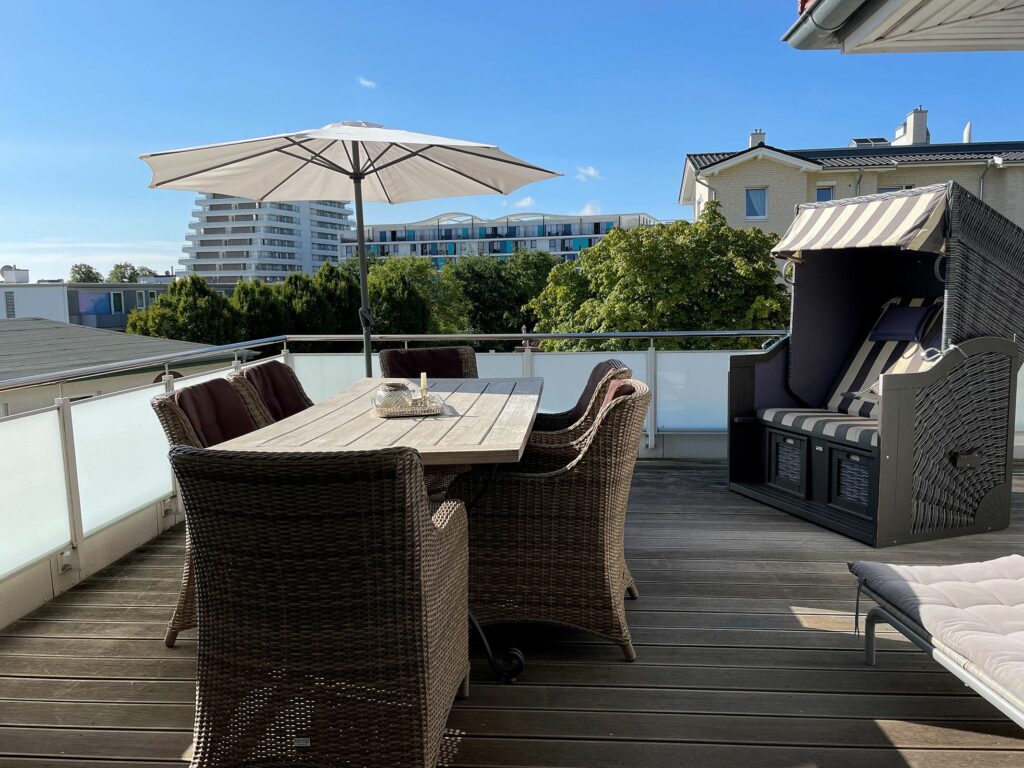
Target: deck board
(744, 633)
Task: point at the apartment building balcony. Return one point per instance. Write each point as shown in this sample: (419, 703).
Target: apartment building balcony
(744, 630)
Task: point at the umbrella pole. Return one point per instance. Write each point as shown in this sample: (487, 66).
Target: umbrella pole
(364, 292)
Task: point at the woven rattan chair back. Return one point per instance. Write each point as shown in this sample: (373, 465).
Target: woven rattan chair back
(332, 607)
(566, 426)
(547, 537)
(180, 431)
(437, 362)
(271, 388)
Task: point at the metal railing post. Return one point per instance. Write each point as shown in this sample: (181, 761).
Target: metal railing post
(652, 382)
(286, 355)
(236, 363)
(67, 442)
(528, 362)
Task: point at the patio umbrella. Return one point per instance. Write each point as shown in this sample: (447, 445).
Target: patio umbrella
(345, 161)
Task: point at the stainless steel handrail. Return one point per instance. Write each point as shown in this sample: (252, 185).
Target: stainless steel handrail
(58, 377)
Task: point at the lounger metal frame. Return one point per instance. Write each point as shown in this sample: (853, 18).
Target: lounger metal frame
(883, 612)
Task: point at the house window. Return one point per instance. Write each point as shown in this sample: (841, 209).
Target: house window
(117, 303)
(152, 295)
(757, 203)
(533, 244)
(9, 303)
(552, 245)
(824, 194)
(140, 299)
(882, 190)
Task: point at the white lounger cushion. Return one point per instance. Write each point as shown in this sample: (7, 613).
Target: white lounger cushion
(974, 612)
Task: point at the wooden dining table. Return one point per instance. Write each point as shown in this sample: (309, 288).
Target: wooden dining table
(483, 421)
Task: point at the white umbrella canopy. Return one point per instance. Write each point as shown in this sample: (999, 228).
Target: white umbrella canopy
(345, 161)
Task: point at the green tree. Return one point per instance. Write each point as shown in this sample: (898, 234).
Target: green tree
(261, 310)
(526, 273)
(306, 307)
(677, 276)
(339, 292)
(85, 273)
(447, 308)
(146, 272)
(400, 303)
(123, 272)
(482, 281)
(190, 310)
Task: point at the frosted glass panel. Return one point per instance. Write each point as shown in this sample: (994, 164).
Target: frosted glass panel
(199, 378)
(121, 455)
(33, 495)
(499, 365)
(565, 374)
(693, 391)
(327, 374)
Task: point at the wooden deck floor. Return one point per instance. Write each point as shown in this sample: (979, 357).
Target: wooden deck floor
(747, 657)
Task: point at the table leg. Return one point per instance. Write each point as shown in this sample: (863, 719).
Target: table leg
(512, 662)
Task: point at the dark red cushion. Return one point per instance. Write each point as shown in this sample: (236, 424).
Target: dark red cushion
(619, 388)
(277, 388)
(438, 363)
(215, 410)
(601, 370)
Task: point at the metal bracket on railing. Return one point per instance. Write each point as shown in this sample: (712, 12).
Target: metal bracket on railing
(236, 363)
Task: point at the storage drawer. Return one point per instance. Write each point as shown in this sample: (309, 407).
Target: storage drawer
(852, 483)
(787, 462)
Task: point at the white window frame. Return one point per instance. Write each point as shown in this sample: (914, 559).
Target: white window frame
(755, 218)
(114, 311)
(140, 299)
(883, 190)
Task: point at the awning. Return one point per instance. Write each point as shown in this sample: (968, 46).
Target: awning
(912, 219)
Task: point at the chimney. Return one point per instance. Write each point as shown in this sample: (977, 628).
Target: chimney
(914, 130)
(757, 136)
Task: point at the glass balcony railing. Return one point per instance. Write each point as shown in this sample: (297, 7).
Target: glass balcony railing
(86, 481)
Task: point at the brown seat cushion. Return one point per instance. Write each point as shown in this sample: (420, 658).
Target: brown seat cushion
(618, 388)
(278, 389)
(215, 410)
(443, 363)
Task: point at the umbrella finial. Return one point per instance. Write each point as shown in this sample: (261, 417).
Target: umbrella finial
(355, 124)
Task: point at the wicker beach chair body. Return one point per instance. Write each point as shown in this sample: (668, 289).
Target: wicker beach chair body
(890, 441)
(332, 604)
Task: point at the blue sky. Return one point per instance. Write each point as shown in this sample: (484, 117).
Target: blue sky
(622, 90)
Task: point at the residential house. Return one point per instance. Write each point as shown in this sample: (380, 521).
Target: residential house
(761, 185)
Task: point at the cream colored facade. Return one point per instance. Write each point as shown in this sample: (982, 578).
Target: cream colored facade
(787, 186)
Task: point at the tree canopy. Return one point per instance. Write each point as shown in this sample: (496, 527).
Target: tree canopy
(677, 276)
(85, 273)
(190, 310)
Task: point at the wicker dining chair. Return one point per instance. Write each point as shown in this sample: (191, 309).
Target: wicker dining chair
(566, 426)
(437, 362)
(271, 387)
(546, 535)
(332, 604)
(200, 416)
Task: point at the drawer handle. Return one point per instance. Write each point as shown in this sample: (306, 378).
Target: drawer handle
(853, 457)
(966, 460)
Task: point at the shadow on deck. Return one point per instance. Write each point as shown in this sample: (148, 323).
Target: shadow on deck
(744, 631)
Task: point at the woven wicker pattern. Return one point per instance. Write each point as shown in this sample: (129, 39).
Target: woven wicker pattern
(253, 402)
(566, 426)
(967, 411)
(179, 431)
(985, 271)
(546, 535)
(467, 357)
(332, 604)
(789, 462)
(852, 483)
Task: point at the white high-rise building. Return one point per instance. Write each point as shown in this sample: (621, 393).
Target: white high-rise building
(233, 239)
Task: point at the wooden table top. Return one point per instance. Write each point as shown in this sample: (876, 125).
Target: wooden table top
(486, 421)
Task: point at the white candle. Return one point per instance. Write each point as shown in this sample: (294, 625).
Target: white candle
(423, 385)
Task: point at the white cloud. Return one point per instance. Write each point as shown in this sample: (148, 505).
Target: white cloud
(591, 208)
(587, 173)
(366, 82)
(51, 258)
(525, 202)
